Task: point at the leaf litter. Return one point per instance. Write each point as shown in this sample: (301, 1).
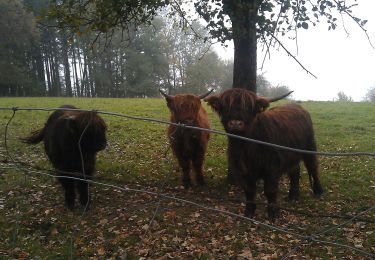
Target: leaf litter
(118, 224)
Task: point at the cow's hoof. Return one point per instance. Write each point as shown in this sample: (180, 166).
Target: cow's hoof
(273, 213)
(231, 179)
(250, 210)
(201, 182)
(317, 189)
(69, 205)
(293, 196)
(86, 205)
(186, 184)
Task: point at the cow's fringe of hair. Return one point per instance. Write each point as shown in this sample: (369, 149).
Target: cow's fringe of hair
(89, 118)
(247, 98)
(180, 104)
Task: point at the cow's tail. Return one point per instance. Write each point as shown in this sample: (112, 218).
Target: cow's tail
(311, 163)
(35, 136)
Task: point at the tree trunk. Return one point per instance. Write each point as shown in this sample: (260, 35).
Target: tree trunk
(75, 73)
(243, 16)
(86, 72)
(41, 81)
(56, 75)
(81, 72)
(122, 73)
(95, 72)
(90, 61)
(48, 74)
(109, 70)
(65, 59)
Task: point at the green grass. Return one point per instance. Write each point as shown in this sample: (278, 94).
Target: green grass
(34, 223)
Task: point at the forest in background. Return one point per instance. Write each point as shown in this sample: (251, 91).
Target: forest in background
(39, 59)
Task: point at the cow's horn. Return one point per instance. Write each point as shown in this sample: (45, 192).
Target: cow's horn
(279, 97)
(165, 94)
(206, 94)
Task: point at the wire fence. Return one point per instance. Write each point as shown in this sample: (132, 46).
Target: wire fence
(304, 240)
(181, 125)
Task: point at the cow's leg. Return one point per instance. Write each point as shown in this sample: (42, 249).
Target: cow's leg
(83, 190)
(250, 191)
(311, 163)
(233, 171)
(69, 192)
(271, 186)
(294, 176)
(197, 160)
(185, 165)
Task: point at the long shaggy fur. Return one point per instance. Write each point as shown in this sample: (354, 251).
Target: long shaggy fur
(66, 135)
(189, 146)
(245, 114)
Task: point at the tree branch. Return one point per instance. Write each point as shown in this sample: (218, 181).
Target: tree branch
(270, 43)
(356, 21)
(291, 55)
(179, 10)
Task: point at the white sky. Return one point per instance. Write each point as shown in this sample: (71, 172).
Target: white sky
(340, 62)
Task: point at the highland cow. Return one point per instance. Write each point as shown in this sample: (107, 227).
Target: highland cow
(243, 113)
(188, 145)
(71, 142)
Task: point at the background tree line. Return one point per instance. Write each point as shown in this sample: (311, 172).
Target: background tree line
(39, 60)
(370, 96)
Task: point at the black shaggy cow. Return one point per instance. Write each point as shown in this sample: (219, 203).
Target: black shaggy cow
(189, 146)
(243, 113)
(71, 141)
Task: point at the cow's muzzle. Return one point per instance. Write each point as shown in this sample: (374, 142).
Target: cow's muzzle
(236, 125)
(189, 122)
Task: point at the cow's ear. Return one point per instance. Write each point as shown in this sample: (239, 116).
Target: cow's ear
(170, 102)
(214, 102)
(261, 105)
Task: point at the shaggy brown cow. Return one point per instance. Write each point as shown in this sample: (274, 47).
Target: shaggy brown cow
(245, 114)
(188, 145)
(64, 135)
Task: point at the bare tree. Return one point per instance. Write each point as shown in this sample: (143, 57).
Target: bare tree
(370, 95)
(342, 97)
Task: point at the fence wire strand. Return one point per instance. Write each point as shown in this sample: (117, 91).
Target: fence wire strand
(333, 228)
(161, 186)
(83, 161)
(313, 238)
(6, 135)
(146, 119)
(308, 238)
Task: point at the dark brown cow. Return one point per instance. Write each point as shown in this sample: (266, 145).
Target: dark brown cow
(67, 135)
(188, 145)
(245, 114)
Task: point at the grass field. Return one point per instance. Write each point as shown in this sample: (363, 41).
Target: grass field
(34, 224)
